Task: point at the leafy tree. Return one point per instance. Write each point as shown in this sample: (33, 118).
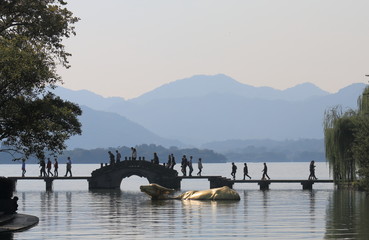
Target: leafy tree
(33, 120)
(347, 141)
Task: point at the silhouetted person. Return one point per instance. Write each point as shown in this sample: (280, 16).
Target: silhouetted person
(23, 167)
(199, 166)
(69, 167)
(173, 163)
(56, 167)
(234, 170)
(190, 167)
(169, 163)
(265, 172)
(312, 171)
(245, 171)
(48, 166)
(111, 157)
(184, 165)
(134, 153)
(156, 158)
(42, 166)
(118, 155)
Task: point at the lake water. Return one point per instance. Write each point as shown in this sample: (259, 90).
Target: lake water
(70, 211)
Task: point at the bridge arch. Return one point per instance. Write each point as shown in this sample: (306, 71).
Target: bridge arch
(111, 176)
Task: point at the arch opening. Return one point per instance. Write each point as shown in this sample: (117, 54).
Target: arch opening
(133, 183)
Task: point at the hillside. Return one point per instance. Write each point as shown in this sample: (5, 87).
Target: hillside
(203, 109)
(104, 129)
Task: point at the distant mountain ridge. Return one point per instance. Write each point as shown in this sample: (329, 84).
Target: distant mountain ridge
(202, 85)
(104, 130)
(204, 109)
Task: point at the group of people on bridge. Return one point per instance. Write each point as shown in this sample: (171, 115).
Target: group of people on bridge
(265, 171)
(187, 163)
(45, 168)
(169, 164)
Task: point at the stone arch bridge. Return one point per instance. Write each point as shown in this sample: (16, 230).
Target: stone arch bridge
(111, 176)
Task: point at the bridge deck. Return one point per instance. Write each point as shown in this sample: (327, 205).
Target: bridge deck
(51, 178)
(283, 181)
(215, 181)
(198, 177)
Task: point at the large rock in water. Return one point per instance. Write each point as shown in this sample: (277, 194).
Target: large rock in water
(159, 192)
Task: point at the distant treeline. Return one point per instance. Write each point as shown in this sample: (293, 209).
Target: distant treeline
(100, 155)
(254, 154)
(292, 151)
(266, 150)
(146, 151)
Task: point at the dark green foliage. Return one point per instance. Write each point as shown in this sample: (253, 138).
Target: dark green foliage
(32, 120)
(347, 142)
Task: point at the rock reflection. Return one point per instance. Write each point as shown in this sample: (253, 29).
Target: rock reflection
(347, 215)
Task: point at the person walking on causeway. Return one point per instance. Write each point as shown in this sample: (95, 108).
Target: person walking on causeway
(56, 166)
(312, 171)
(265, 172)
(42, 166)
(48, 166)
(199, 166)
(190, 167)
(234, 170)
(23, 167)
(245, 172)
(69, 167)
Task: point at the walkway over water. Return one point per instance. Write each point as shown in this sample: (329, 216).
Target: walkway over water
(48, 180)
(111, 176)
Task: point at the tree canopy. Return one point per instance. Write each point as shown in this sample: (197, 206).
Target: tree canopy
(347, 142)
(32, 119)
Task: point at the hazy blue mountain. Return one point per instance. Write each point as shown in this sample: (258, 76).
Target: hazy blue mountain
(203, 85)
(104, 129)
(202, 109)
(90, 99)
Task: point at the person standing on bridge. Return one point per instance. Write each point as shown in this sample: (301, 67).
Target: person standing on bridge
(245, 171)
(173, 161)
(234, 170)
(48, 166)
(199, 166)
(69, 167)
(156, 159)
(184, 165)
(23, 167)
(265, 172)
(56, 166)
(134, 153)
(312, 171)
(118, 155)
(111, 157)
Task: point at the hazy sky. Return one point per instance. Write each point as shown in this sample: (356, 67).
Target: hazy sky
(128, 47)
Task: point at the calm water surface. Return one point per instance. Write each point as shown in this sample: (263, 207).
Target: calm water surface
(284, 212)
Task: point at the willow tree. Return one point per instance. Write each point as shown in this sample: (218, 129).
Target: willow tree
(347, 140)
(360, 147)
(339, 128)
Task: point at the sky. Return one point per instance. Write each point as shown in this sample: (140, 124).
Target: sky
(125, 48)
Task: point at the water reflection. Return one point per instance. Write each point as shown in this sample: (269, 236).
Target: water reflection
(347, 215)
(270, 214)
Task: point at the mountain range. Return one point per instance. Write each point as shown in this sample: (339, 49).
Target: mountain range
(202, 109)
